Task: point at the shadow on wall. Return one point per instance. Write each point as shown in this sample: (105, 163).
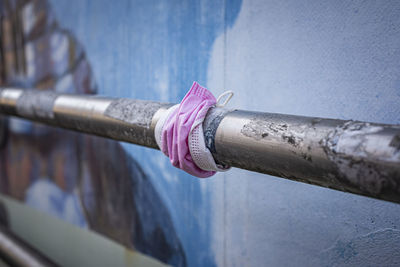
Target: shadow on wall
(86, 180)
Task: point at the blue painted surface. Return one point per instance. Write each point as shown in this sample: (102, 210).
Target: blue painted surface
(155, 50)
(338, 59)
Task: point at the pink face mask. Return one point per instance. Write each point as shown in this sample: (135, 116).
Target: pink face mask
(183, 123)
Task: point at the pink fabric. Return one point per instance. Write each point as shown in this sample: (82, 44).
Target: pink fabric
(174, 138)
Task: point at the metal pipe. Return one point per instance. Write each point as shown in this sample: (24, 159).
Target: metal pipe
(18, 253)
(357, 157)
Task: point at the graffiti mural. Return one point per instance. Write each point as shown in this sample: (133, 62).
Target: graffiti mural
(88, 181)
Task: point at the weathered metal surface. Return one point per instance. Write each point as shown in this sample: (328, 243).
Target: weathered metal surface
(31, 103)
(356, 157)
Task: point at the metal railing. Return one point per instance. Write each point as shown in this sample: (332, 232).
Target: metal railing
(16, 252)
(357, 157)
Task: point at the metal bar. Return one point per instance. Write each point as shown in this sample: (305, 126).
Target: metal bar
(18, 253)
(357, 157)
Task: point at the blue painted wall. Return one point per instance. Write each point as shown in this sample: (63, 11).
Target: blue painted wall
(337, 59)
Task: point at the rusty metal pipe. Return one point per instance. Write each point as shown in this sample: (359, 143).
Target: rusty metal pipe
(357, 157)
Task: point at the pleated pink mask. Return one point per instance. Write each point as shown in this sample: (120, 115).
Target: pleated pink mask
(176, 129)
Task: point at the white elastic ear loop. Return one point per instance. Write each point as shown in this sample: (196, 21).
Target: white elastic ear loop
(229, 96)
(160, 124)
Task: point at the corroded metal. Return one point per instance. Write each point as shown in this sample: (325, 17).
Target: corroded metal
(356, 157)
(120, 119)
